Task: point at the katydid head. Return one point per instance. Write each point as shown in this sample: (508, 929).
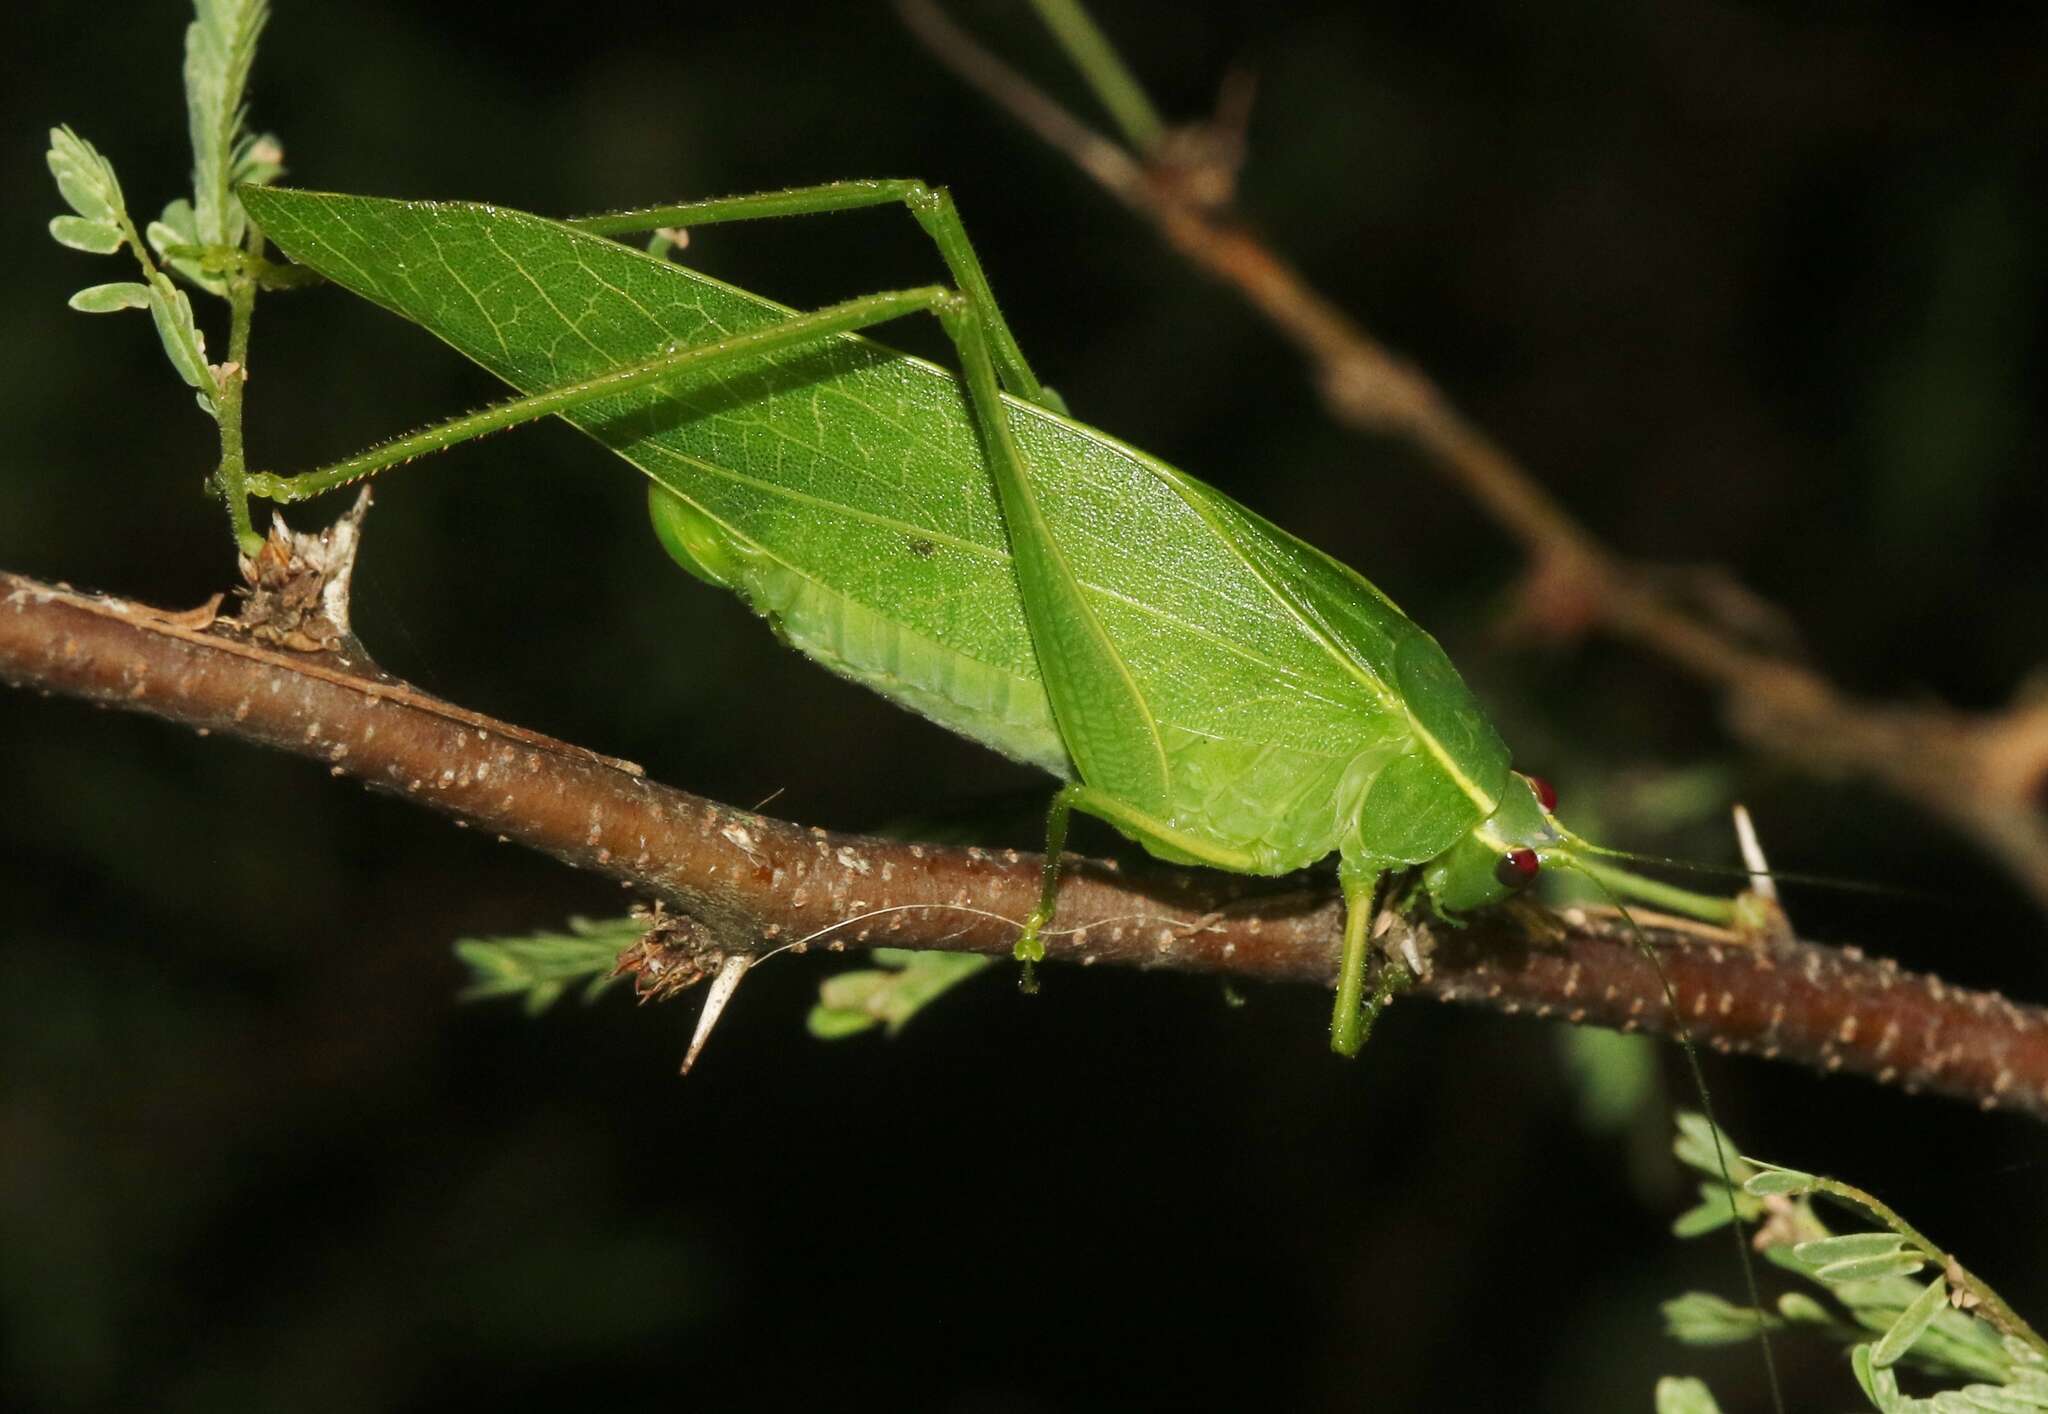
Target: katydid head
(1504, 853)
(1501, 854)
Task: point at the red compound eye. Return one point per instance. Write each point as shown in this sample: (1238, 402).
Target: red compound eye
(1517, 867)
(1546, 793)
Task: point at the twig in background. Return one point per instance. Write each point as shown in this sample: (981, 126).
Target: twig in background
(1984, 773)
(755, 885)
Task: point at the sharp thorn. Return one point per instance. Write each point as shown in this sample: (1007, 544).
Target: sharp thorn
(1760, 880)
(730, 973)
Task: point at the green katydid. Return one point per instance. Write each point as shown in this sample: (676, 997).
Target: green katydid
(1210, 685)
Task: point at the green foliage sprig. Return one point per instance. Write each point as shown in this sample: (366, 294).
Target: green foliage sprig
(1953, 1328)
(538, 968)
(901, 984)
(99, 224)
(204, 239)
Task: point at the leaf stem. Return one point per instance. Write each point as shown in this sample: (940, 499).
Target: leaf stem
(230, 479)
(1991, 1306)
(156, 278)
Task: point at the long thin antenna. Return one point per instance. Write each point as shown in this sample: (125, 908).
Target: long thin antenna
(1683, 1033)
(1748, 869)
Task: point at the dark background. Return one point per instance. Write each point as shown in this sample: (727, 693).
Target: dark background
(1752, 285)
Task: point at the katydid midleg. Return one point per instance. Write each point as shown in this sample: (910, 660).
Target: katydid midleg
(1215, 688)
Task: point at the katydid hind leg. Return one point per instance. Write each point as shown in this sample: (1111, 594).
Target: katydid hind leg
(1106, 724)
(1030, 945)
(795, 333)
(934, 211)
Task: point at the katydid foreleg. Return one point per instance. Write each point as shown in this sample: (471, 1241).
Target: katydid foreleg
(1353, 1014)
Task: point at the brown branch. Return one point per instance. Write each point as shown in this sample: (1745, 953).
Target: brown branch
(754, 883)
(1986, 774)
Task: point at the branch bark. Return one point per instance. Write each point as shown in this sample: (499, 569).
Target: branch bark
(1984, 773)
(754, 883)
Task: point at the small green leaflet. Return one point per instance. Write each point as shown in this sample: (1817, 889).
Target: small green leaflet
(540, 967)
(890, 994)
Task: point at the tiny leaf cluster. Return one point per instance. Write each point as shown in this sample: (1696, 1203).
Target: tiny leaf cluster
(203, 241)
(1975, 1351)
(538, 968)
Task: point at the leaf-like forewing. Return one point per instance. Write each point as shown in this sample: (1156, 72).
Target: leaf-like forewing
(849, 485)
